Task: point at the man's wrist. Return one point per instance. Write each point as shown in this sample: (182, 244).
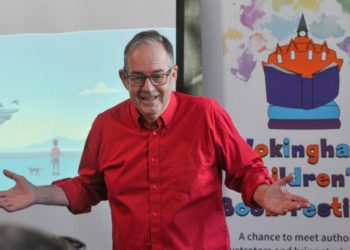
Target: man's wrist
(259, 194)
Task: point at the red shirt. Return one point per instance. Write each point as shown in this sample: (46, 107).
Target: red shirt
(164, 185)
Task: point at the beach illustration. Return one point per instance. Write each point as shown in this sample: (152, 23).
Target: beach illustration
(52, 86)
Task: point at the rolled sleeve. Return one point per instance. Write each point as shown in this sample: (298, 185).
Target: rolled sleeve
(254, 175)
(76, 194)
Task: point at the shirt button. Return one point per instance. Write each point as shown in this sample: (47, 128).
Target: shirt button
(152, 159)
(155, 214)
(154, 186)
(154, 132)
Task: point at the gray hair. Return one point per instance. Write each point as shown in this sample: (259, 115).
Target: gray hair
(149, 37)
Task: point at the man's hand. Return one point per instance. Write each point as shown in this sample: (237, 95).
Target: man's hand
(24, 194)
(21, 196)
(276, 199)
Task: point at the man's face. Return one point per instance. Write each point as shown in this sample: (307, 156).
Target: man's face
(149, 100)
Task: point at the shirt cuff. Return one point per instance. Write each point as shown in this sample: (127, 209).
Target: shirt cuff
(248, 197)
(78, 202)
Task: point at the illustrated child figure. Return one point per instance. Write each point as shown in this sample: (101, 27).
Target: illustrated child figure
(55, 157)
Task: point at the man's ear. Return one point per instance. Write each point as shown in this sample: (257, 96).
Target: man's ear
(174, 72)
(123, 77)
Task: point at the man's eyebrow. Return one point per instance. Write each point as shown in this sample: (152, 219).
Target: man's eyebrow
(153, 72)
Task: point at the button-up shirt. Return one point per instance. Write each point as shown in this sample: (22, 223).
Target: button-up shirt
(164, 185)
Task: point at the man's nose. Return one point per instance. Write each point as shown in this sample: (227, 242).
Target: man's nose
(148, 86)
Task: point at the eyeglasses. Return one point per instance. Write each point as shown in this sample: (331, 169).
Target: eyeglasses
(156, 79)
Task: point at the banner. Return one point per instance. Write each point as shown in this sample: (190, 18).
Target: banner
(285, 82)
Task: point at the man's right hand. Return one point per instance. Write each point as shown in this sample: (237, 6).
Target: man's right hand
(21, 196)
(24, 194)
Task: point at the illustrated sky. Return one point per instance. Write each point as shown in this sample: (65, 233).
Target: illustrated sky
(58, 83)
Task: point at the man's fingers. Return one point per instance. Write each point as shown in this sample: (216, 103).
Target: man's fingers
(4, 204)
(7, 206)
(285, 180)
(11, 175)
(301, 200)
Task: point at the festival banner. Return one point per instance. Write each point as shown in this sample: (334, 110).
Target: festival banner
(286, 85)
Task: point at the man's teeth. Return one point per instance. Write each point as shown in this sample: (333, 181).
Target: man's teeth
(149, 98)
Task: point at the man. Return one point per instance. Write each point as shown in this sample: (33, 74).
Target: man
(158, 158)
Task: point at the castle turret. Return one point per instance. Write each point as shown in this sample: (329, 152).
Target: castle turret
(302, 28)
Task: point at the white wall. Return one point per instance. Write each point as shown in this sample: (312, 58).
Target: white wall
(21, 16)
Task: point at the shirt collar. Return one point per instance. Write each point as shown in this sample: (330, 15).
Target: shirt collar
(165, 118)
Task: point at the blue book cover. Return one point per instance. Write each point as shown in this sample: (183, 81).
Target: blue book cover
(329, 111)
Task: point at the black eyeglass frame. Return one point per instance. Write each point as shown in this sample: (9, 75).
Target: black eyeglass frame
(144, 77)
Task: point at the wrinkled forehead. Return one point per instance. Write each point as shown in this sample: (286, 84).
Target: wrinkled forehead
(146, 56)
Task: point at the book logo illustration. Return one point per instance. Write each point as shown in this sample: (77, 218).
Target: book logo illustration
(302, 81)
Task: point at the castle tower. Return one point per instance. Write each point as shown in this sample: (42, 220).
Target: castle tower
(302, 28)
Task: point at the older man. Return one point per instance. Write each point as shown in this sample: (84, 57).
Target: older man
(158, 159)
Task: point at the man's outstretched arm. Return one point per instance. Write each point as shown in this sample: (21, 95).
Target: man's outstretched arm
(24, 194)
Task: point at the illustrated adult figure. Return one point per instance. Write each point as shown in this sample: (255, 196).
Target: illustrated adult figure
(55, 157)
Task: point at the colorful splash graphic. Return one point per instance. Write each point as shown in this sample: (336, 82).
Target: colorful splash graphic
(302, 81)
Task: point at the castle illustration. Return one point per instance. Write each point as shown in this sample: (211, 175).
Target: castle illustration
(302, 81)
